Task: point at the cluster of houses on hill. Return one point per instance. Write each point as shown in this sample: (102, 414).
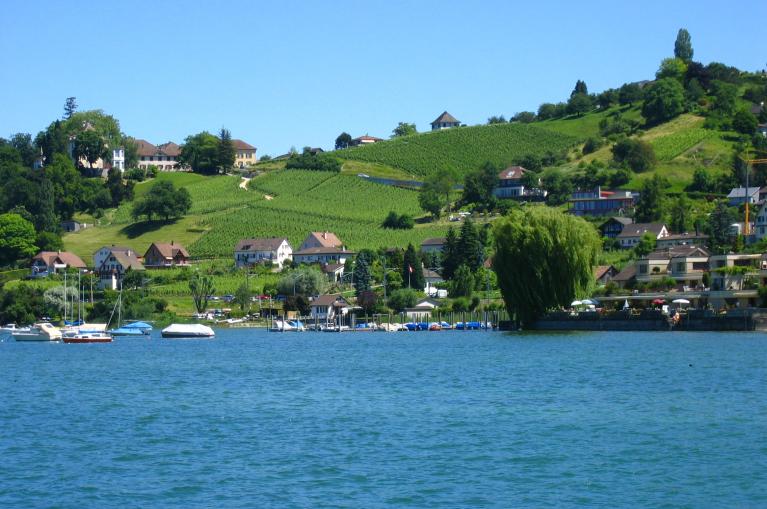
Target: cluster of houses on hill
(164, 157)
(112, 263)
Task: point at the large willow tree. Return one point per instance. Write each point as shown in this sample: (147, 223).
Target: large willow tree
(544, 259)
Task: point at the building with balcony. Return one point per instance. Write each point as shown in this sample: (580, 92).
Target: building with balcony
(688, 266)
(602, 203)
(734, 271)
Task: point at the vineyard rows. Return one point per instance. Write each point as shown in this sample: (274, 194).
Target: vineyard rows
(462, 149)
(673, 145)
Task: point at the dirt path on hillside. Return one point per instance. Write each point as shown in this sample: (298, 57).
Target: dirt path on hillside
(244, 183)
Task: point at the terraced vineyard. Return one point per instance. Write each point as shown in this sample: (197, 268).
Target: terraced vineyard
(461, 149)
(306, 201)
(673, 145)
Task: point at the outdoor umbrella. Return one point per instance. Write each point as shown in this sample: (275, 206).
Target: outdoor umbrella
(626, 304)
(659, 302)
(680, 301)
(576, 303)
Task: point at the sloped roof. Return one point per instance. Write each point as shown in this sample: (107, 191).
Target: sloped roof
(446, 117)
(329, 300)
(620, 219)
(241, 145)
(684, 236)
(626, 274)
(270, 244)
(170, 250)
(128, 260)
(330, 268)
(677, 252)
(50, 257)
(367, 138)
(170, 149)
(601, 270)
(740, 192)
(145, 148)
(326, 239)
(639, 229)
(512, 173)
(428, 273)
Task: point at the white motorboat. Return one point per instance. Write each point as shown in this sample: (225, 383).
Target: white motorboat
(187, 330)
(42, 331)
(287, 326)
(86, 337)
(12, 327)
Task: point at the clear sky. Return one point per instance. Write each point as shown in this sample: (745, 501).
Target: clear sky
(296, 73)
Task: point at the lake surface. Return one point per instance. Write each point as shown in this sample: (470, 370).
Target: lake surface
(448, 419)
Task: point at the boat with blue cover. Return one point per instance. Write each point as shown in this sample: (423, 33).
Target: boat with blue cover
(132, 329)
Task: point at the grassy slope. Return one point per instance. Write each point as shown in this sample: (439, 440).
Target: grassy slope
(222, 213)
(460, 149)
(682, 145)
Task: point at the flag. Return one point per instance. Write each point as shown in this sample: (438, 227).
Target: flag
(410, 269)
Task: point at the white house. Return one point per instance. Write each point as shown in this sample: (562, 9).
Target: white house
(631, 233)
(422, 309)
(253, 251)
(510, 185)
(118, 159)
(327, 307)
(760, 224)
(332, 255)
(112, 263)
(431, 278)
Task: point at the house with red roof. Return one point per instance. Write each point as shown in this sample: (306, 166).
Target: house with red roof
(244, 154)
(50, 262)
(364, 140)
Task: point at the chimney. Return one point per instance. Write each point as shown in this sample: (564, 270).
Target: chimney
(325, 235)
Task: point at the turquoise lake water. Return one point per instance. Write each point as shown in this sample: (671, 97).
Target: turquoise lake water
(448, 419)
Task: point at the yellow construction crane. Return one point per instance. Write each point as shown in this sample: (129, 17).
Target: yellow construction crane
(749, 163)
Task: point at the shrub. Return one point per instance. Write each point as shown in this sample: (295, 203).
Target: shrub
(397, 222)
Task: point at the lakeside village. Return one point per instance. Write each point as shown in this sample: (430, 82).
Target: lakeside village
(547, 236)
(677, 280)
(678, 283)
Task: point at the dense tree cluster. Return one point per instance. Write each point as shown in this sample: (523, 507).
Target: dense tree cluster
(309, 160)
(163, 200)
(396, 221)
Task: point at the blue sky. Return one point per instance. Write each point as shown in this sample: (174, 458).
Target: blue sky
(297, 73)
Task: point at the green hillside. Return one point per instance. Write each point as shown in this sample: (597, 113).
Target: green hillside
(462, 149)
(280, 203)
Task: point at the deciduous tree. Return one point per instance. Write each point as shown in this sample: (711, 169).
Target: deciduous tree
(543, 259)
(663, 101)
(17, 238)
(343, 141)
(202, 289)
(404, 129)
